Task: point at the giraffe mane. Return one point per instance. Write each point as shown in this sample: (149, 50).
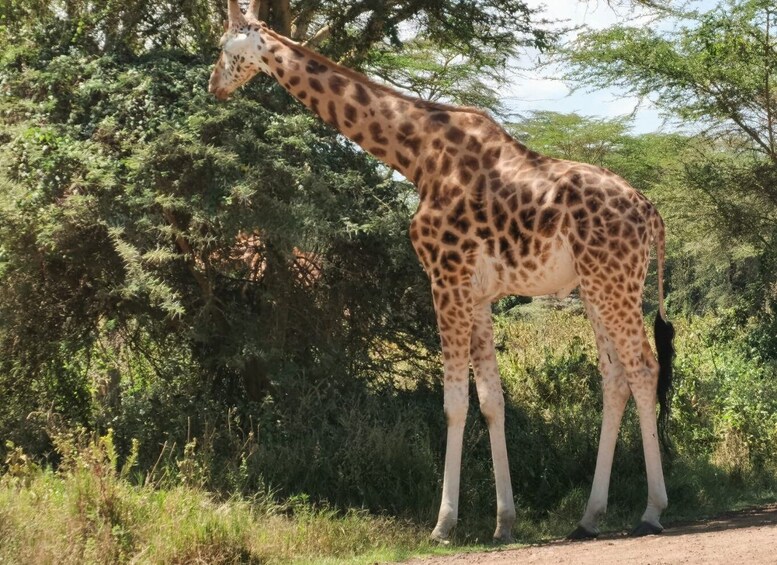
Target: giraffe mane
(361, 77)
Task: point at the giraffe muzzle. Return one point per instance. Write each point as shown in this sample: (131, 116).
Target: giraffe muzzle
(219, 92)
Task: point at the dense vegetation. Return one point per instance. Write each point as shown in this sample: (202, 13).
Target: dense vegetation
(211, 318)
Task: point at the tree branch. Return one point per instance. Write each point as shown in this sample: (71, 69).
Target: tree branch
(321, 35)
(202, 281)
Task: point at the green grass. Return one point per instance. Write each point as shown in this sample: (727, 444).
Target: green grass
(87, 512)
(89, 517)
(98, 507)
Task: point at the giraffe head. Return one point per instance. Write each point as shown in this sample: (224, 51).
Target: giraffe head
(242, 47)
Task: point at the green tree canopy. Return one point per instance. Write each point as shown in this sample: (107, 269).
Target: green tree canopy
(224, 247)
(718, 70)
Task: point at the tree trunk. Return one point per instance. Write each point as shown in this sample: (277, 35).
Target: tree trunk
(279, 15)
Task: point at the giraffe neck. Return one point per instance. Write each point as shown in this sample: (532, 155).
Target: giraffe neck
(384, 122)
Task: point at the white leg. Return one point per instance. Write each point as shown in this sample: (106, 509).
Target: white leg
(455, 331)
(643, 379)
(644, 392)
(626, 332)
(615, 395)
(492, 405)
(456, 399)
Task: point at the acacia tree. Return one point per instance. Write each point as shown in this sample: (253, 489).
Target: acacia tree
(201, 250)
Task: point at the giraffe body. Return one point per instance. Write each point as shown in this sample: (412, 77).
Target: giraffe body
(494, 219)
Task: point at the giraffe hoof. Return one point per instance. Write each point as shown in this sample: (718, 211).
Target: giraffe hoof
(437, 537)
(646, 529)
(582, 533)
(503, 539)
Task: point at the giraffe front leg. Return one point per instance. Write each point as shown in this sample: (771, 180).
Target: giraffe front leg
(456, 400)
(492, 406)
(454, 318)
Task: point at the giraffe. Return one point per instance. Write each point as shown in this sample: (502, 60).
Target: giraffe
(494, 218)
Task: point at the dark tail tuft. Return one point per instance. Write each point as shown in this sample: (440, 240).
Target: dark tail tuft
(664, 334)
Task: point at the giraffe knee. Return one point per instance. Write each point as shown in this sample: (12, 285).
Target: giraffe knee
(492, 406)
(455, 407)
(645, 373)
(610, 365)
(455, 415)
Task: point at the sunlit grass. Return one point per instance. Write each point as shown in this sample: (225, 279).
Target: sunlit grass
(82, 517)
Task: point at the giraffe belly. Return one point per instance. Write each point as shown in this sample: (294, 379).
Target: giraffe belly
(492, 279)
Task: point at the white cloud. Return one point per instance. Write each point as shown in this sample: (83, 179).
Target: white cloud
(539, 87)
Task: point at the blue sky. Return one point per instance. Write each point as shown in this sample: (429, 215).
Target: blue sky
(542, 90)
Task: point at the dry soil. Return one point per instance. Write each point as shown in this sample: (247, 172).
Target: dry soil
(746, 537)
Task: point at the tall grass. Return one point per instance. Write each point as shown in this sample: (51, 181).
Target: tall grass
(87, 512)
(332, 470)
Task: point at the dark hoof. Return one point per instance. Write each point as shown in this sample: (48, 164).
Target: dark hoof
(646, 529)
(581, 533)
(503, 540)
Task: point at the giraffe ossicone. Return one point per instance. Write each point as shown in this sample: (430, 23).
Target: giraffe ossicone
(494, 218)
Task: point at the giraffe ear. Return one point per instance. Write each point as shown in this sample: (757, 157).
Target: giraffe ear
(254, 7)
(236, 17)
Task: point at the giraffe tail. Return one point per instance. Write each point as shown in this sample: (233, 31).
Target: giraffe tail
(664, 336)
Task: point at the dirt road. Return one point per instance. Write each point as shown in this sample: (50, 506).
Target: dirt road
(737, 538)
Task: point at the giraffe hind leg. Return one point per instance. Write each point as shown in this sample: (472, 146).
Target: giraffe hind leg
(625, 326)
(615, 395)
